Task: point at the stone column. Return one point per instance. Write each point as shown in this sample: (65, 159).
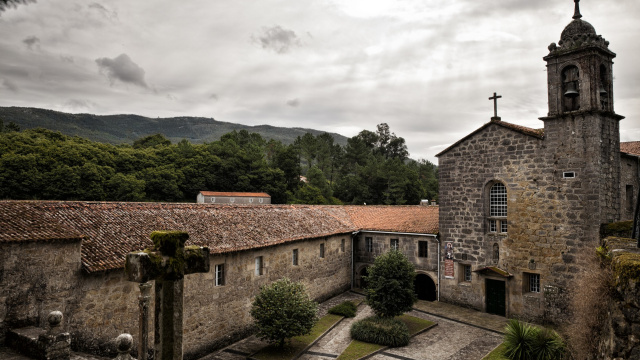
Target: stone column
(168, 315)
(143, 322)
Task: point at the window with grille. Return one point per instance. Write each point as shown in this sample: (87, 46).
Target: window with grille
(466, 271)
(423, 249)
(394, 244)
(503, 226)
(498, 200)
(534, 283)
(369, 244)
(294, 257)
(219, 274)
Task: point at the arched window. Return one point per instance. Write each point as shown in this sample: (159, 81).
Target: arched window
(498, 208)
(602, 89)
(496, 252)
(570, 88)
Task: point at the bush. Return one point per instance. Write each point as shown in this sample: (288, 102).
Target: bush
(390, 285)
(526, 342)
(382, 331)
(346, 309)
(283, 310)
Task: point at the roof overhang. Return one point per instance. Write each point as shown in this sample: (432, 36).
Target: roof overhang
(493, 270)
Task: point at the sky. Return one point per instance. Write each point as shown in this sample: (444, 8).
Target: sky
(427, 68)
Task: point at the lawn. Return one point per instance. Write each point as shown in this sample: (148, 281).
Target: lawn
(496, 354)
(297, 344)
(358, 349)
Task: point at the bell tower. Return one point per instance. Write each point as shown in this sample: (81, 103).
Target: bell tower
(581, 129)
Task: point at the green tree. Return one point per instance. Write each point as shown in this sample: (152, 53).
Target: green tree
(151, 141)
(390, 285)
(282, 310)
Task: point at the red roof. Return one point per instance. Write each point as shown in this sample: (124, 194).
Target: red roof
(234, 194)
(630, 147)
(110, 230)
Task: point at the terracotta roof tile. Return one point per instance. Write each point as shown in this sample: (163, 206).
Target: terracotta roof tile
(234, 194)
(630, 147)
(112, 229)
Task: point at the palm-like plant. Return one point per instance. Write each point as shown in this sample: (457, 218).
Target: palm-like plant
(518, 340)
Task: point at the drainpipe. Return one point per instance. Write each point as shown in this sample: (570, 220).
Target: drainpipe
(353, 258)
(438, 240)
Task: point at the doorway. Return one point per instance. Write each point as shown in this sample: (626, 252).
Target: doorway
(495, 295)
(425, 288)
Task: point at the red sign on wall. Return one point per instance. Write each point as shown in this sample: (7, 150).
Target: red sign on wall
(449, 268)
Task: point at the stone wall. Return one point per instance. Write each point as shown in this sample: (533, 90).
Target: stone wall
(621, 333)
(629, 185)
(36, 278)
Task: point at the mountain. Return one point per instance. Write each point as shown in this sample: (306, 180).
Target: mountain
(118, 129)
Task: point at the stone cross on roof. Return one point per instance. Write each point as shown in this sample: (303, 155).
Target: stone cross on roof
(167, 263)
(495, 98)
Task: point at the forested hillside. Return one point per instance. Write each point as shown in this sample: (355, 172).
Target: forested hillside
(372, 168)
(125, 128)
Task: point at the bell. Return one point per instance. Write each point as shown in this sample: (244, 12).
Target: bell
(602, 91)
(571, 90)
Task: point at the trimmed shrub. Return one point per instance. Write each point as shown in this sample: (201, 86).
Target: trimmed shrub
(390, 285)
(526, 342)
(382, 331)
(346, 309)
(282, 310)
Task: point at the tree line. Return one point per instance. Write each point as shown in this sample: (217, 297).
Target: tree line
(372, 168)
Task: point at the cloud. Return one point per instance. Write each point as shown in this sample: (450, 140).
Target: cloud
(78, 105)
(31, 42)
(293, 102)
(277, 39)
(214, 97)
(5, 4)
(123, 69)
(9, 85)
(109, 14)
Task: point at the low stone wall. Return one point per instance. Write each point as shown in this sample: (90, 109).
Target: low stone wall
(621, 333)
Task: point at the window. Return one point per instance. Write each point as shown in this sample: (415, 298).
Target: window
(322, 250)
(220, 275)
(342, 245)
(259, 266)
(294, 257)
(497, 220)
(571, 88)
(213, 199)
(260, 201)
(629, 194)
(232, 200)
(250, 200)
(423, 249)
(531, 282)
(369, 244)
(466, 272)
(496, 252)
(394, 244)
(569, 174)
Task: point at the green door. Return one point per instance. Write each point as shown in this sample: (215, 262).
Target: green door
(495, 297)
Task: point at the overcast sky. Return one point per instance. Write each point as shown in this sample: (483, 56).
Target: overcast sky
(425, 67)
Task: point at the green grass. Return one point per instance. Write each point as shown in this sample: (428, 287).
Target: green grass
(297, 343)
(496, 354)
(358, 349)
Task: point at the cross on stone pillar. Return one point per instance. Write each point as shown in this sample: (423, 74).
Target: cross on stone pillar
(143, 320)
(495, 98)
(167, 263)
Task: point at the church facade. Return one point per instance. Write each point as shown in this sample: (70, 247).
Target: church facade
(521, 208)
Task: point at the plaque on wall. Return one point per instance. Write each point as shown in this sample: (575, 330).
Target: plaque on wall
(449, 269)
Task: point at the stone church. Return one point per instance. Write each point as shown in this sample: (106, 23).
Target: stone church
(520, 208)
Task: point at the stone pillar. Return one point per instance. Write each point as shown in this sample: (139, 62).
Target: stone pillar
(168, 315)
(143, 322)
(55, 344)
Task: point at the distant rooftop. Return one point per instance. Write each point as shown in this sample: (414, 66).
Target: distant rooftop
(234, 194)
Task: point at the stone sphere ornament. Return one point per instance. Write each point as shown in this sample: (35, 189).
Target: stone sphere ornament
(124, 343)
(54, 318)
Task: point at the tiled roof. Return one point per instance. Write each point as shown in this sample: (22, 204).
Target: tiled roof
(630, 147)
(234, 194)
(537, 133)
(113, 229)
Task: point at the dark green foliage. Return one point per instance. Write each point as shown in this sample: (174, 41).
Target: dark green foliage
(390, 285)
(383, 331)
(526, 342)
(282, 310)
(346, 309)
(151, 141)
(618, 229)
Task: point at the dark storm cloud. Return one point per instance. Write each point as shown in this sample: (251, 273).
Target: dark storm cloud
(31, 41)
(123, 69)
(9, 85)
(277, 39)
(293, 102)
(5, 4)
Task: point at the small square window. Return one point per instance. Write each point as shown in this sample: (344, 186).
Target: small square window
(259, 266)
(294, 257)
(503, 226)
(568, 174)
(394, 244)
(369, 244)
(219, 274)
(322, 250)
(423, 249)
